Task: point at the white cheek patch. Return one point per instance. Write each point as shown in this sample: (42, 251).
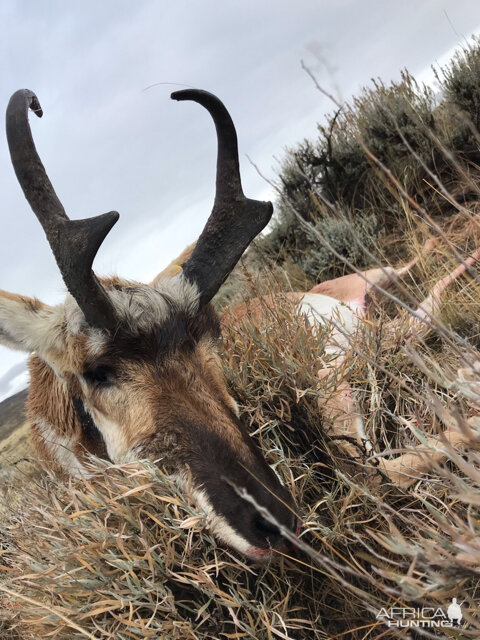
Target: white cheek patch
(113, 435)
(61, 448)
(217, 524)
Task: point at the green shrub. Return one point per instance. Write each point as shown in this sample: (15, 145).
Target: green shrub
(461, 84)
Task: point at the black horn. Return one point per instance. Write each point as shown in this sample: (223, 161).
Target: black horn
(235, 220)
(74, 242)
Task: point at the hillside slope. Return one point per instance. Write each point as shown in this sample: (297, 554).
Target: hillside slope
(12, 413)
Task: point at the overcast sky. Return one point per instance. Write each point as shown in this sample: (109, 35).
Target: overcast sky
(111, 140)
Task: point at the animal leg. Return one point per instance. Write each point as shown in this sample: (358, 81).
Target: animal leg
(359, 288)
(347, 425)
(411, 466)
(431, 304)
(407, 468)
(342, 408)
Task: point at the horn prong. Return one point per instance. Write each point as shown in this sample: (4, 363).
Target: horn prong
(74, 243)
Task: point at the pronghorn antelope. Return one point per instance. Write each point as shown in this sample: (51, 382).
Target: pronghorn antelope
(126, 371)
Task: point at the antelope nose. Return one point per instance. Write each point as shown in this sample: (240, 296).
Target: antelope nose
(272, 533)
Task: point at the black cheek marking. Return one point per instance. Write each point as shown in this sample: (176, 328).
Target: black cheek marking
(222, 469)
(93, 437)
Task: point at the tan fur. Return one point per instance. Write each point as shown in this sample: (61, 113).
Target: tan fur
(174, 267)
(193, 387)
(49, 401)
(132, 409)
(32, 303)
(71, 356)
(349, 287)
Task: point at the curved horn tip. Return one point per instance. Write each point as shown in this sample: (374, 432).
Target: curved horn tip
(192, 94)
(176, 95)
(35, 105)
(31, 100)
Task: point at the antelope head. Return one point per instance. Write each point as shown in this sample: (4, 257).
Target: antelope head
(132, 370)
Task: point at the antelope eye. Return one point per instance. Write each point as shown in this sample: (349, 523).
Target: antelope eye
(100, 376)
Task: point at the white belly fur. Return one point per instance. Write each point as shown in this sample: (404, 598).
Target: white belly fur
(342, 319)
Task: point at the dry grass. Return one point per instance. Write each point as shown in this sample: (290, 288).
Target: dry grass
(125, 555)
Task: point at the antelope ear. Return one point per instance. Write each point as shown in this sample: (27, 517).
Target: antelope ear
(175, 266)
(29, 325)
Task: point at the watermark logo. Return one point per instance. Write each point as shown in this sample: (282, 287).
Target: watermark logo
(454, 611)
(423, 617)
